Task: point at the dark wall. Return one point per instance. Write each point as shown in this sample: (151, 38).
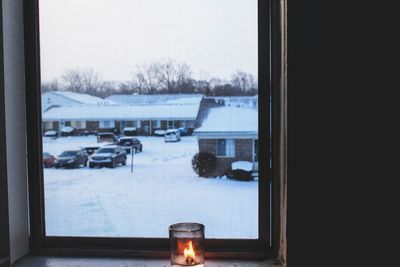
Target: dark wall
(322, 154)
(4, 227)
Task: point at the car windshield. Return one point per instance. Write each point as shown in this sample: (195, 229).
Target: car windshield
(106, 150)
(68, 154)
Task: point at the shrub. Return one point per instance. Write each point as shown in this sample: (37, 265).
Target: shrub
(204, 164)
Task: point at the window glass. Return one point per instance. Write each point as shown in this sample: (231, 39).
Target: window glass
(221, 148)
(151, 65)
(230, 147)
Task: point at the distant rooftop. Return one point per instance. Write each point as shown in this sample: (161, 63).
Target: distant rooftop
(81, 98)
(122, 112)
(182, 99)
(230, 120)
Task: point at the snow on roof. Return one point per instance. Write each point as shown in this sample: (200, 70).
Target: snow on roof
(83, 98)
(122, 112)
(230, 120)
(238, 101)
(157, 99)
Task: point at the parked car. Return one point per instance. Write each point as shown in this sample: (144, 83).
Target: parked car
(48, 160)
(172, 135)
(129, 142)
(71, 159)
(109, 156)
(159, 132)
(107, 137)
(90, 149)
(51, 134)
(130, 131)
(67, 131)
(185, 131)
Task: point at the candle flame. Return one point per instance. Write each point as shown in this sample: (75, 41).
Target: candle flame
(189, 252)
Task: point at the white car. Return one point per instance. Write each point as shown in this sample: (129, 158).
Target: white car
(172, 135)
(159, 132)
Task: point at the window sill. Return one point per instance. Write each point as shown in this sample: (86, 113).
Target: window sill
(47, 261)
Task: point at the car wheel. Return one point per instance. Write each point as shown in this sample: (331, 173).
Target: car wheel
(57, 166)
(124, 162)
(91, 165)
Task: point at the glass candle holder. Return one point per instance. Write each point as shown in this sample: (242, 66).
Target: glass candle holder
(187, 244)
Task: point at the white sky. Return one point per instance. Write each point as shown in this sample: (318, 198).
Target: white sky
(215, 37)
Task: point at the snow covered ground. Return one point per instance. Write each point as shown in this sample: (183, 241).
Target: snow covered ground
(162, 190)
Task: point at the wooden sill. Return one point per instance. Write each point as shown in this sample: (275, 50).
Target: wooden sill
(53, 261)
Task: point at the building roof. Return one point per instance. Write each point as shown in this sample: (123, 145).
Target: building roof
(229, 121)
(122, 112)
(81, 98)
(157, 99)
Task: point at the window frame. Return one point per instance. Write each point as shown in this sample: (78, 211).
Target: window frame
(225, 154)
(266, 246)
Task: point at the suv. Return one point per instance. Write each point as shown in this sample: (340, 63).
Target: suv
(129, 142)
(71, 159)
(110, 156)
(172, 135)
(106, 137)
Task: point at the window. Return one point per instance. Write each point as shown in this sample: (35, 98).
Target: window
(78, 124)
(226, 147)
(44, 234)
(106, 124)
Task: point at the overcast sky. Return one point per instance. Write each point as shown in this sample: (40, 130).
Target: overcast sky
(215, 37)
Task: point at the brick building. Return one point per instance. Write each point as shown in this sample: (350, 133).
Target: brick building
(231, 134)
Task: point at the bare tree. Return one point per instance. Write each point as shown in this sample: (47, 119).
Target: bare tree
(50, 86)
(90, 81)
(175, 77)
(73, 81)
(243, 80)
(148, 78)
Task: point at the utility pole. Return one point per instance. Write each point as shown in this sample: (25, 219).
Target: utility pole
(132, 154)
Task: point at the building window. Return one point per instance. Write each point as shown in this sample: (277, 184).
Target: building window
(226, 147)
(106, 124)
(78, 124)
(155, 123)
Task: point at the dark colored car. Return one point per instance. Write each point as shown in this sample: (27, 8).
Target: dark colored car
(51, 134)
(71, 159)
(110, 156)
(107, 137)
(48, 160)
(90, 149)
(185, 131)
(130, 142)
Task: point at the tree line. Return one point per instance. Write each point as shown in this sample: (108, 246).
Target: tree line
(161, 77)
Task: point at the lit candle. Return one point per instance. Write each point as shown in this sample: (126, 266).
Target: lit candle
(187, 244)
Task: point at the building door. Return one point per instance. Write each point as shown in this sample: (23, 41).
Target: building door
(56, 125)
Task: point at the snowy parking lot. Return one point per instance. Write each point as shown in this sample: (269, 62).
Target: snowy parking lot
(162, 190)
